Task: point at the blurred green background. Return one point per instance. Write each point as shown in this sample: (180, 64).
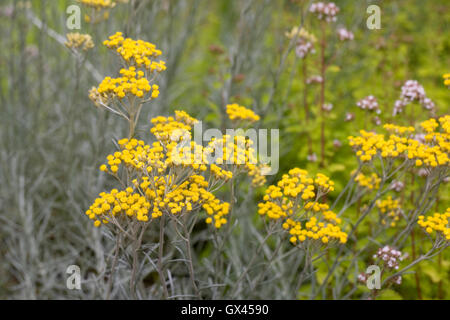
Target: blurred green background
(52, 138)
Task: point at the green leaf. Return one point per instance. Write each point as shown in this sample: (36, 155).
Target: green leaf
(336, 167)
(389, 295)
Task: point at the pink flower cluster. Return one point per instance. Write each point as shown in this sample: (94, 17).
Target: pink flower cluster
(303, 48)
(412, 91)
(327, 107)
(389, 256)
(349, 116)
(311, 157)
(397, 185)
(369, 103)
(344, 34)
(314, 79)
(325, 11)
(362, 277)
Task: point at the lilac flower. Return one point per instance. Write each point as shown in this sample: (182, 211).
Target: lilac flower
(344, 34)
(325, 11)
(369, 103)
(412, 91)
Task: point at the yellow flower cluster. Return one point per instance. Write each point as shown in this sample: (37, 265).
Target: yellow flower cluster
(392, 128)
(237, 112)
(438, 222)
(115, 204)
(446, 79)
(221, 173)
(131, 82)
(170, 174)
(137, 53)
(98, 4)
(236, 151)
(178, 199)
(167, 129)
(98, 99)
(79, 41)
(300, 33)
(313, 230)
(136, 154)
(257, 172)
(433, 152)
(390, 210)
(371, 182)
(168, 152)
(295, 200)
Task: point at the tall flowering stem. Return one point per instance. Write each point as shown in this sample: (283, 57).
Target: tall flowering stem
(323, 44)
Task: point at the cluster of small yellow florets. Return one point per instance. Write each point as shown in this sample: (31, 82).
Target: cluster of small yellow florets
(371, 182)
(167, 129)
(137, 155)
(79, 41)
(168, 197)
(433, 152)
(300, 33)
(169, 173)
(136, 53)
(438, 222)
(98, 4)
(131, 82)
(392, 128)
(112, 206)
(295, 200)
(99, 9)
(237, 112)
(325, 232)
(390, 210)
(236, 152)
(446, 78)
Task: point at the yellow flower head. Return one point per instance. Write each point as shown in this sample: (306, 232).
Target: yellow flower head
(294, 201)
(438, 223)
(236, 112)
(79, 41)
(432, 152)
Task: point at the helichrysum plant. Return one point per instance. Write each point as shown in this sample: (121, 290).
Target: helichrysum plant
(171, 177)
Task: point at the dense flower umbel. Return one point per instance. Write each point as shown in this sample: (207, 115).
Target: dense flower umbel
(390, 257)
(178, 199)
(325, 11)
(237, 112)
(171, 172)
(99, 10)
(391, 211)
(294, 200)
(137, 53)
(117, 205)
(344, 34)
(79, 41)
(131, 83)
(300, 33)
(134, 84)
(434, 152)
(446, 78)
(412, 91)
(98, 4)
(369, 103)
(371, 182)
(304, 41)
(440, 223)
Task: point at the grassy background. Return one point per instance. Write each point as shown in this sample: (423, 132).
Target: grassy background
(52, 138)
